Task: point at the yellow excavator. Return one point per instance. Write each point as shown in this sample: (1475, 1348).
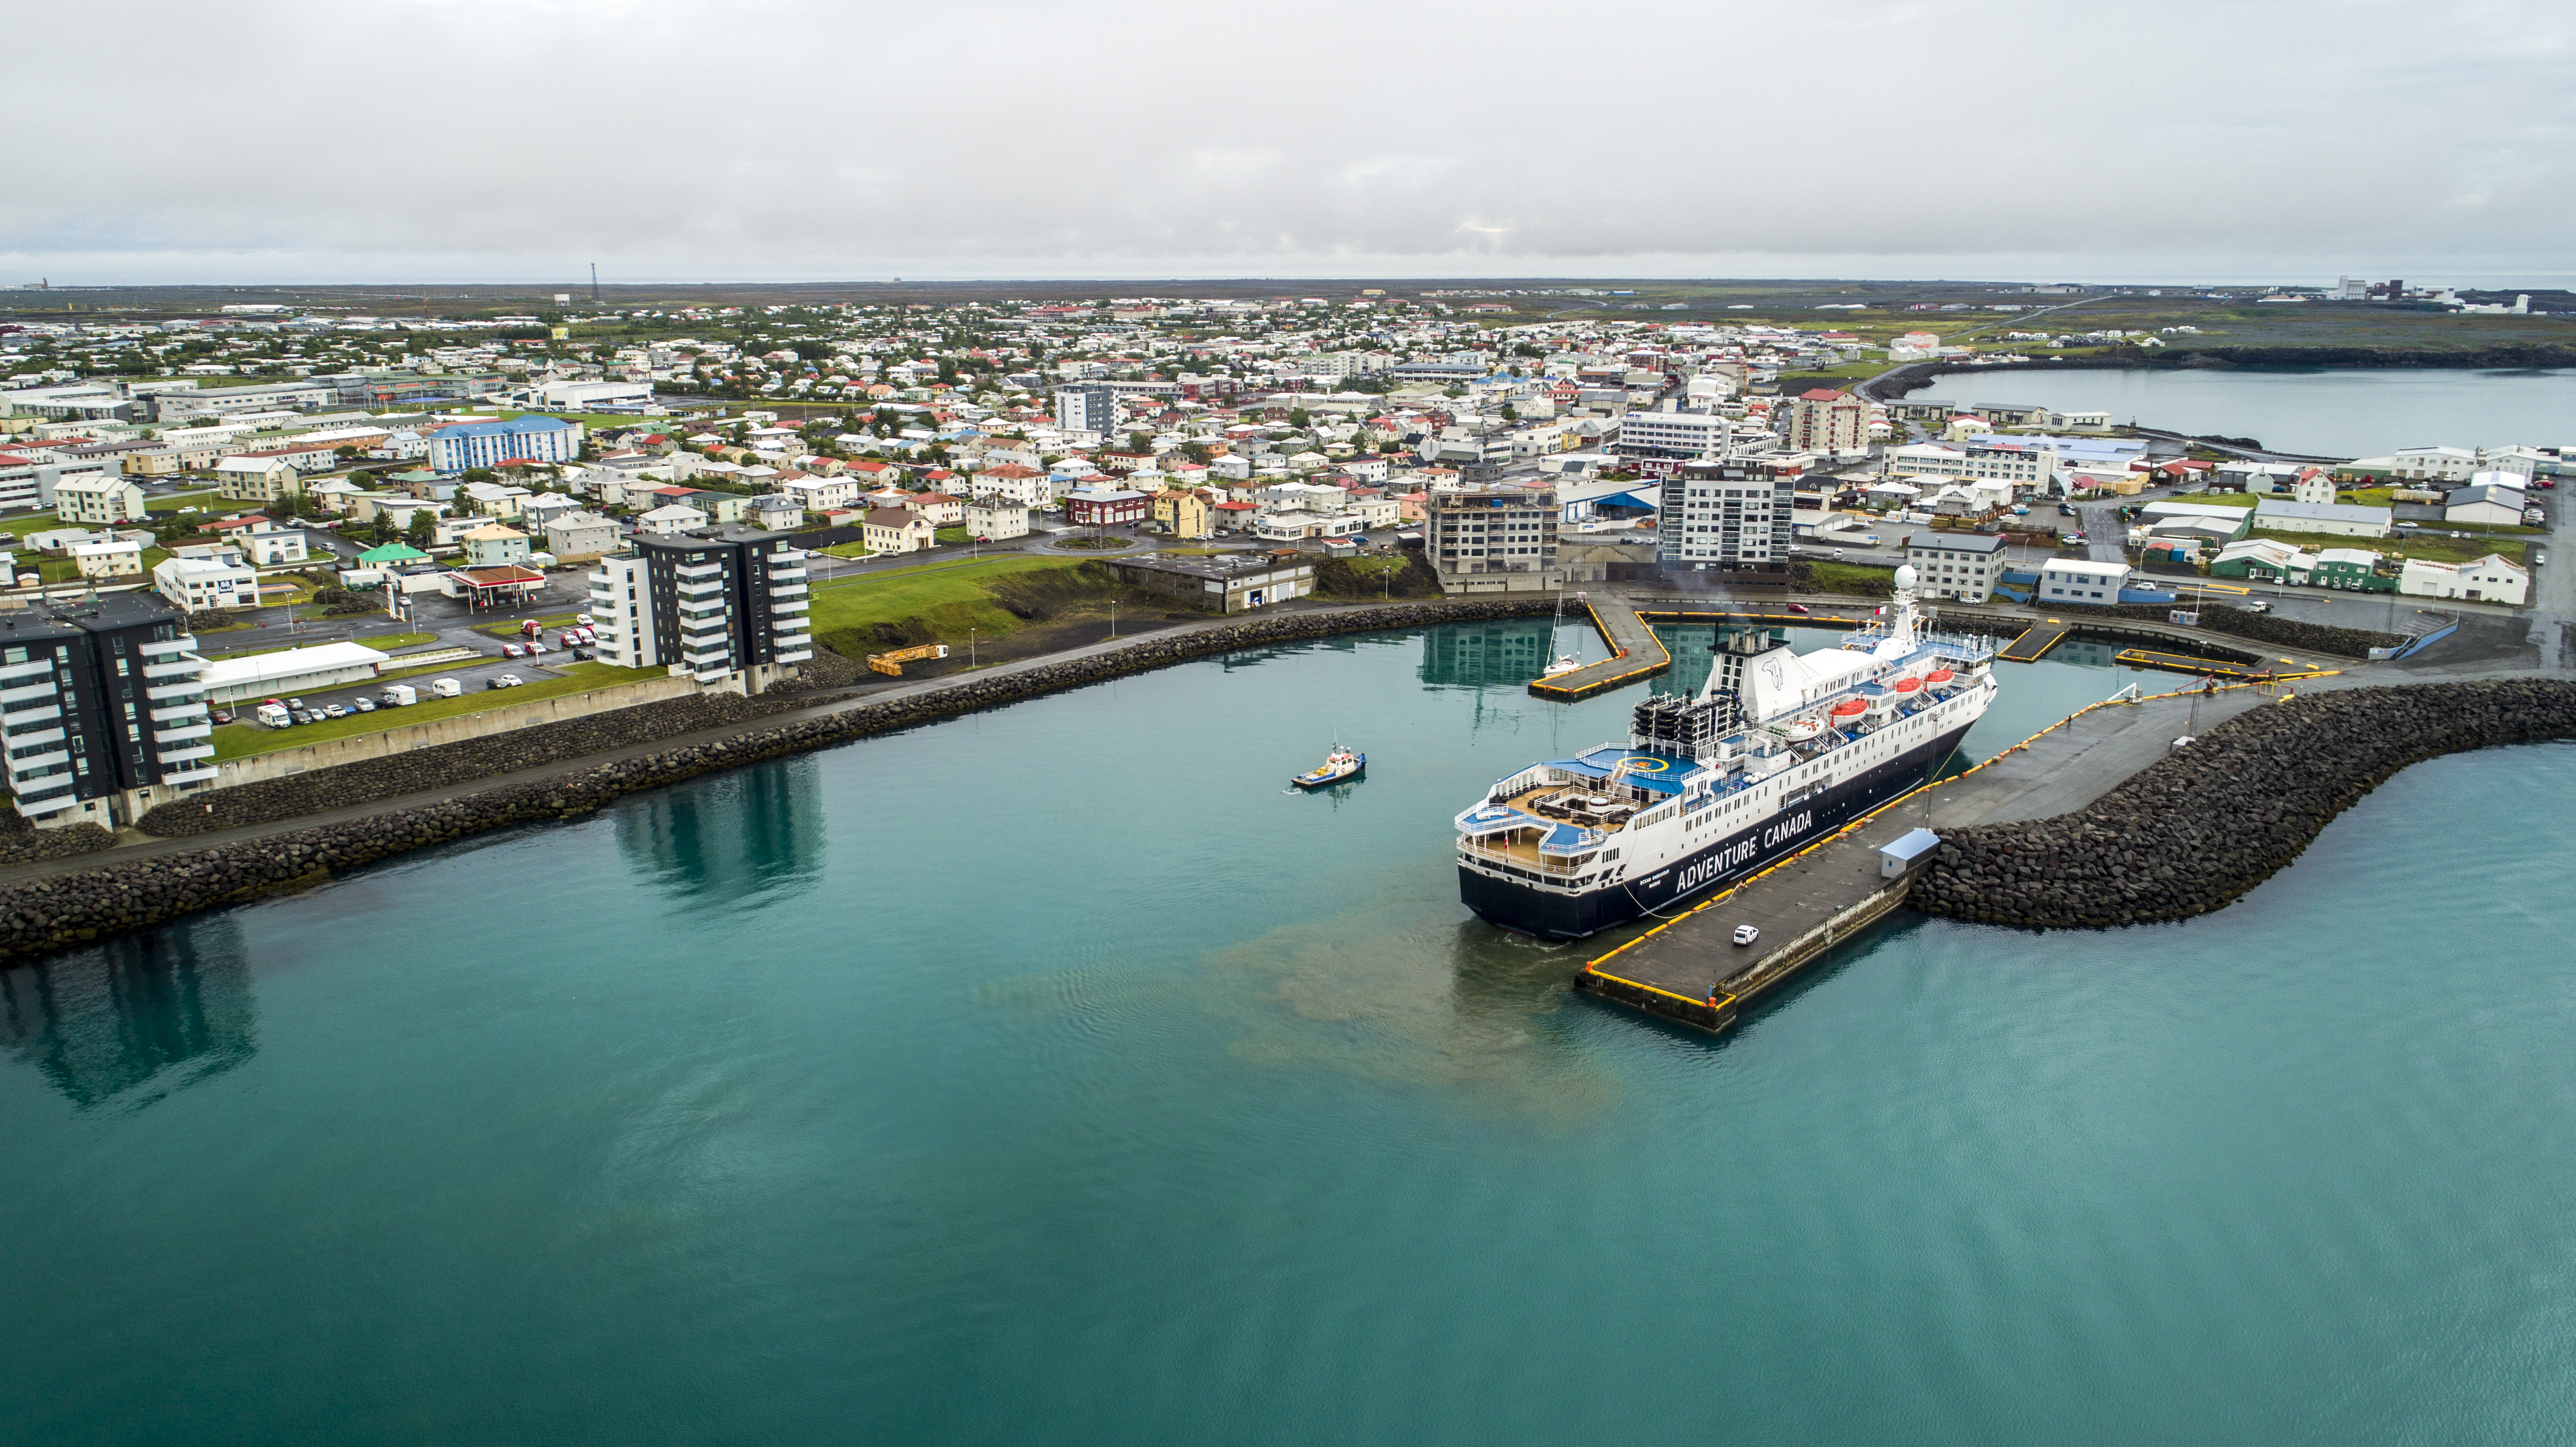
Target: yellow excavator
(892, 663)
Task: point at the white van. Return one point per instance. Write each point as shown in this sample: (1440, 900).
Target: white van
(272, 714)
(398, 695)
(446, 688)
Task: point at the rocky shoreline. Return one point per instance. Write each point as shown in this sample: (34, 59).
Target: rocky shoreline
(2195, 831)
(42, 916)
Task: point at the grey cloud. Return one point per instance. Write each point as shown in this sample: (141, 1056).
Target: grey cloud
(469, 139)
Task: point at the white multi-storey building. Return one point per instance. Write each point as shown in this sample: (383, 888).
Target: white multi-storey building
(1726, 513)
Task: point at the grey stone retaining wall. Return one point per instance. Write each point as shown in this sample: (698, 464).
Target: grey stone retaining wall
(2194, 831)
(40, 916)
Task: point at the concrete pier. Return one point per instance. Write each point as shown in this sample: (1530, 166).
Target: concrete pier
(1636, 655)
(1685, 968)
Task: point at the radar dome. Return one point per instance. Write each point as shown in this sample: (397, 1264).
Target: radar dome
(1905, 576)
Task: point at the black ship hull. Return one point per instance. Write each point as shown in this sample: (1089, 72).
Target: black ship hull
(1554, 914)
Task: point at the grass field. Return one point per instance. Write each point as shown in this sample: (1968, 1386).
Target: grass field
(2431, 550)
(238, 741)
(945, 598)
(1853, 578)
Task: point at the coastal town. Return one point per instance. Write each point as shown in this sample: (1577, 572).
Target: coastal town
(525, 501)
(752, 724)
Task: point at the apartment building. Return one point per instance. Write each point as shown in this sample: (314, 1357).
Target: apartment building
(1500, 538)
(98, 499)
(724, 605)
(489, 444)
(1727, 513)
(1089, 407)
(1674, 434)
(1823, 420)
(102, 710)
(1962, 567)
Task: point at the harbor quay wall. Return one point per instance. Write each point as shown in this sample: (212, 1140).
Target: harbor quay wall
(42, 916)
(403, 738)
(2194, 831)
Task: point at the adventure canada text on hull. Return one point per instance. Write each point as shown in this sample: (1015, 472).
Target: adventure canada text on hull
(1778, 749)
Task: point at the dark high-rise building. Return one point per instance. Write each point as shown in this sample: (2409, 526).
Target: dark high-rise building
(724, 605)
(102, 709)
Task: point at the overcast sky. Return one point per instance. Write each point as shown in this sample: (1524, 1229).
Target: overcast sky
(469, 140)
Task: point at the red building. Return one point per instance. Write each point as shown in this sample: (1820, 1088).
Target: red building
(1104, 507)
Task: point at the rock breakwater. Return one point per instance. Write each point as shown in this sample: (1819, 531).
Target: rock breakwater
(41, 916)
(2196, 830)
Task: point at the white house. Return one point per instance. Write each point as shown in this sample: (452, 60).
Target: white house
(112, 556)
(673, 518)
(994, 518)
(2487, 580)
(2078, 580)
(270, 544)
(104, 499)
(215, 578)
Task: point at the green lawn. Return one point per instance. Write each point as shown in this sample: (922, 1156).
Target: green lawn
(236, 741)
(2218, 499)
(950, 597)
(1853, 578)
(2431, 550)
(177, 500)
(390, 640)
(25, 523)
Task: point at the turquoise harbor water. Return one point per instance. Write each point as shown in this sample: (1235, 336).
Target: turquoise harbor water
(1054, 1076)
(2346, 412)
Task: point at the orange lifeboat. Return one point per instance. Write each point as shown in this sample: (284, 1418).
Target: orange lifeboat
(1850, 708)
(1905, 685)
(1939, 676)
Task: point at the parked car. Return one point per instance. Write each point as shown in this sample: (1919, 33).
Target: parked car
(582, 653)
(511, 680)
(494, 682)
(294, 703)
(535, 648)
(300, 716)
(221, 717)
(335, 710)
(363, 705)
(2406, 524)
(2070, 537)
(513, 650)
(399, 695)
(2538, 558)
(583, 619)
(272, 714)
(2257, 605)
(2065, 510)
(1746, 934)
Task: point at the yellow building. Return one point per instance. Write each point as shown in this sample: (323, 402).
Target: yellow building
(1183, 514)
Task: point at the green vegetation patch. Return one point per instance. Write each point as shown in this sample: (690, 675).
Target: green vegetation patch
(938, 603)
(239, 741)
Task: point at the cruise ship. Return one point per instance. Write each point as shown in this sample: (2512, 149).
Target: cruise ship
(1779, 749)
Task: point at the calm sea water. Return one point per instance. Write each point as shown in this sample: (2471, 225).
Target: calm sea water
(2352, 412)
(1054, 1076)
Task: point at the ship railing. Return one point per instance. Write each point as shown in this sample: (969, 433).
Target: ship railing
(1533, 862)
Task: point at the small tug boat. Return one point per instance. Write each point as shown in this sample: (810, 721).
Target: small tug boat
(1339, 765)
